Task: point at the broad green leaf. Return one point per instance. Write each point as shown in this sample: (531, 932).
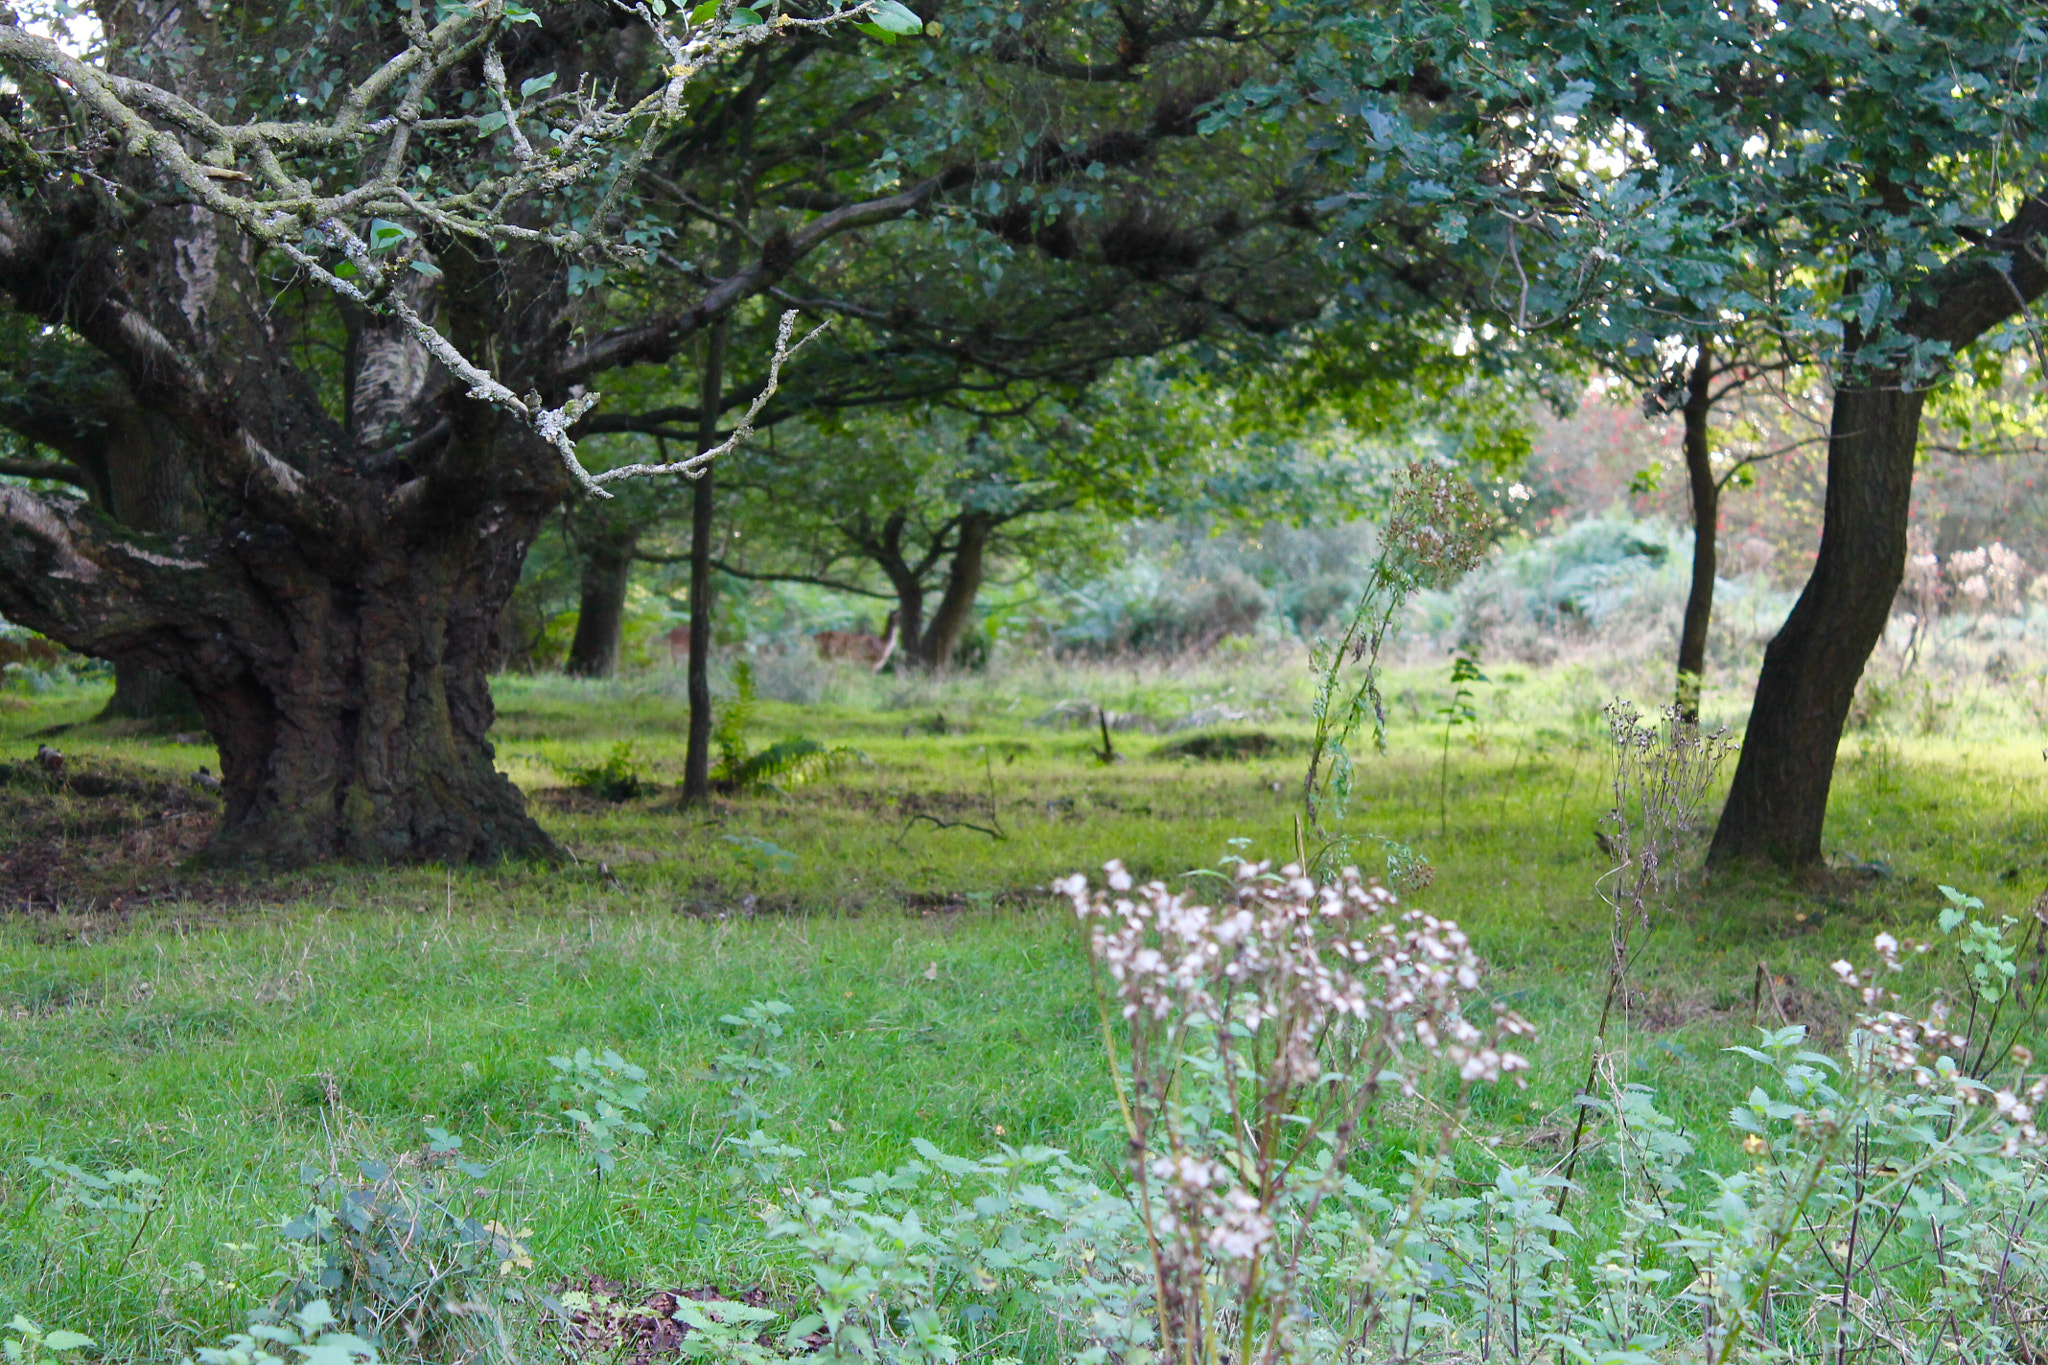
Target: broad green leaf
(529, 88)
(893, 17)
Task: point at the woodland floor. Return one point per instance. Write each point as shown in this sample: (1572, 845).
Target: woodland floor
(219, 1032)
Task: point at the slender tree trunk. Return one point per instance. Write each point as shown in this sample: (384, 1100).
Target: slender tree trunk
(601, 616)
(1779, 799)
(1706, 516)
(956, 604)
(697, 758)
(910, 628)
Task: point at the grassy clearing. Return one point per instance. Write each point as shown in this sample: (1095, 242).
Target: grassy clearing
(219, 1034)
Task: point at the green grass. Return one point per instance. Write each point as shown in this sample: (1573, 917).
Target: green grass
(219, 1042)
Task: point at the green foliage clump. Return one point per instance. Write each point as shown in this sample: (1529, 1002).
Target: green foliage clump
(758, 1028)
(616, 779)
(787, 763)
(386, 1253)
(598, 1093)
(105, 1210)
(307, 1337)
(25, 1343)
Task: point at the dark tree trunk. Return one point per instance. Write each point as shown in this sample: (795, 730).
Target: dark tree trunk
(1706, 516)
(910, 631)
(964, 575)
(346, 692)
(1779, 798)
(1777, 803)
(149, 487)
(365, 737)
(906, 579)
(147, 694)
(908, 584)
(601, 614)
(697, 757)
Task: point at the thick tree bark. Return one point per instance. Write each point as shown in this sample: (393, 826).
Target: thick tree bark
(1777, 803)
(1706, 516)
(601, 614)
(697, 756)
(963, 582)
(334, 615)
(347, 696)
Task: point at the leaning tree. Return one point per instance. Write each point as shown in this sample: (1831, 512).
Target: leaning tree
(1883, 161)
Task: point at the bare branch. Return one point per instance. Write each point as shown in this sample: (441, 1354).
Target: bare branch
(285, 211)
(61, 470)
(742, 432)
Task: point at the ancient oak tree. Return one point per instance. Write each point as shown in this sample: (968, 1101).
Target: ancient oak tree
(324, 259)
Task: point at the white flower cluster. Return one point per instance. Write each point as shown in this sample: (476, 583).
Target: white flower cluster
(1295, 955)
(1203, 1204)
(1926, 1049)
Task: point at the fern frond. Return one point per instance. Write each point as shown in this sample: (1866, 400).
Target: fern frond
(793, 762)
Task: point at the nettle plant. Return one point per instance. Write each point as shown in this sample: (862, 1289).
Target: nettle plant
(403, 1251)
(757, 1028)
(598, 1094)
(105, 1211)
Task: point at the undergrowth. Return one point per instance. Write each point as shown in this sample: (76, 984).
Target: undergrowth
(870, 998)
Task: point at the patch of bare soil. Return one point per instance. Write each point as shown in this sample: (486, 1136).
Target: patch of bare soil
(101, 839)
(1773, 1001)
(581, 801)
(613, 1322)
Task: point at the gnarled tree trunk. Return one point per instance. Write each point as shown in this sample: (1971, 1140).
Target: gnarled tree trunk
(348, 696)
(330, 603)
